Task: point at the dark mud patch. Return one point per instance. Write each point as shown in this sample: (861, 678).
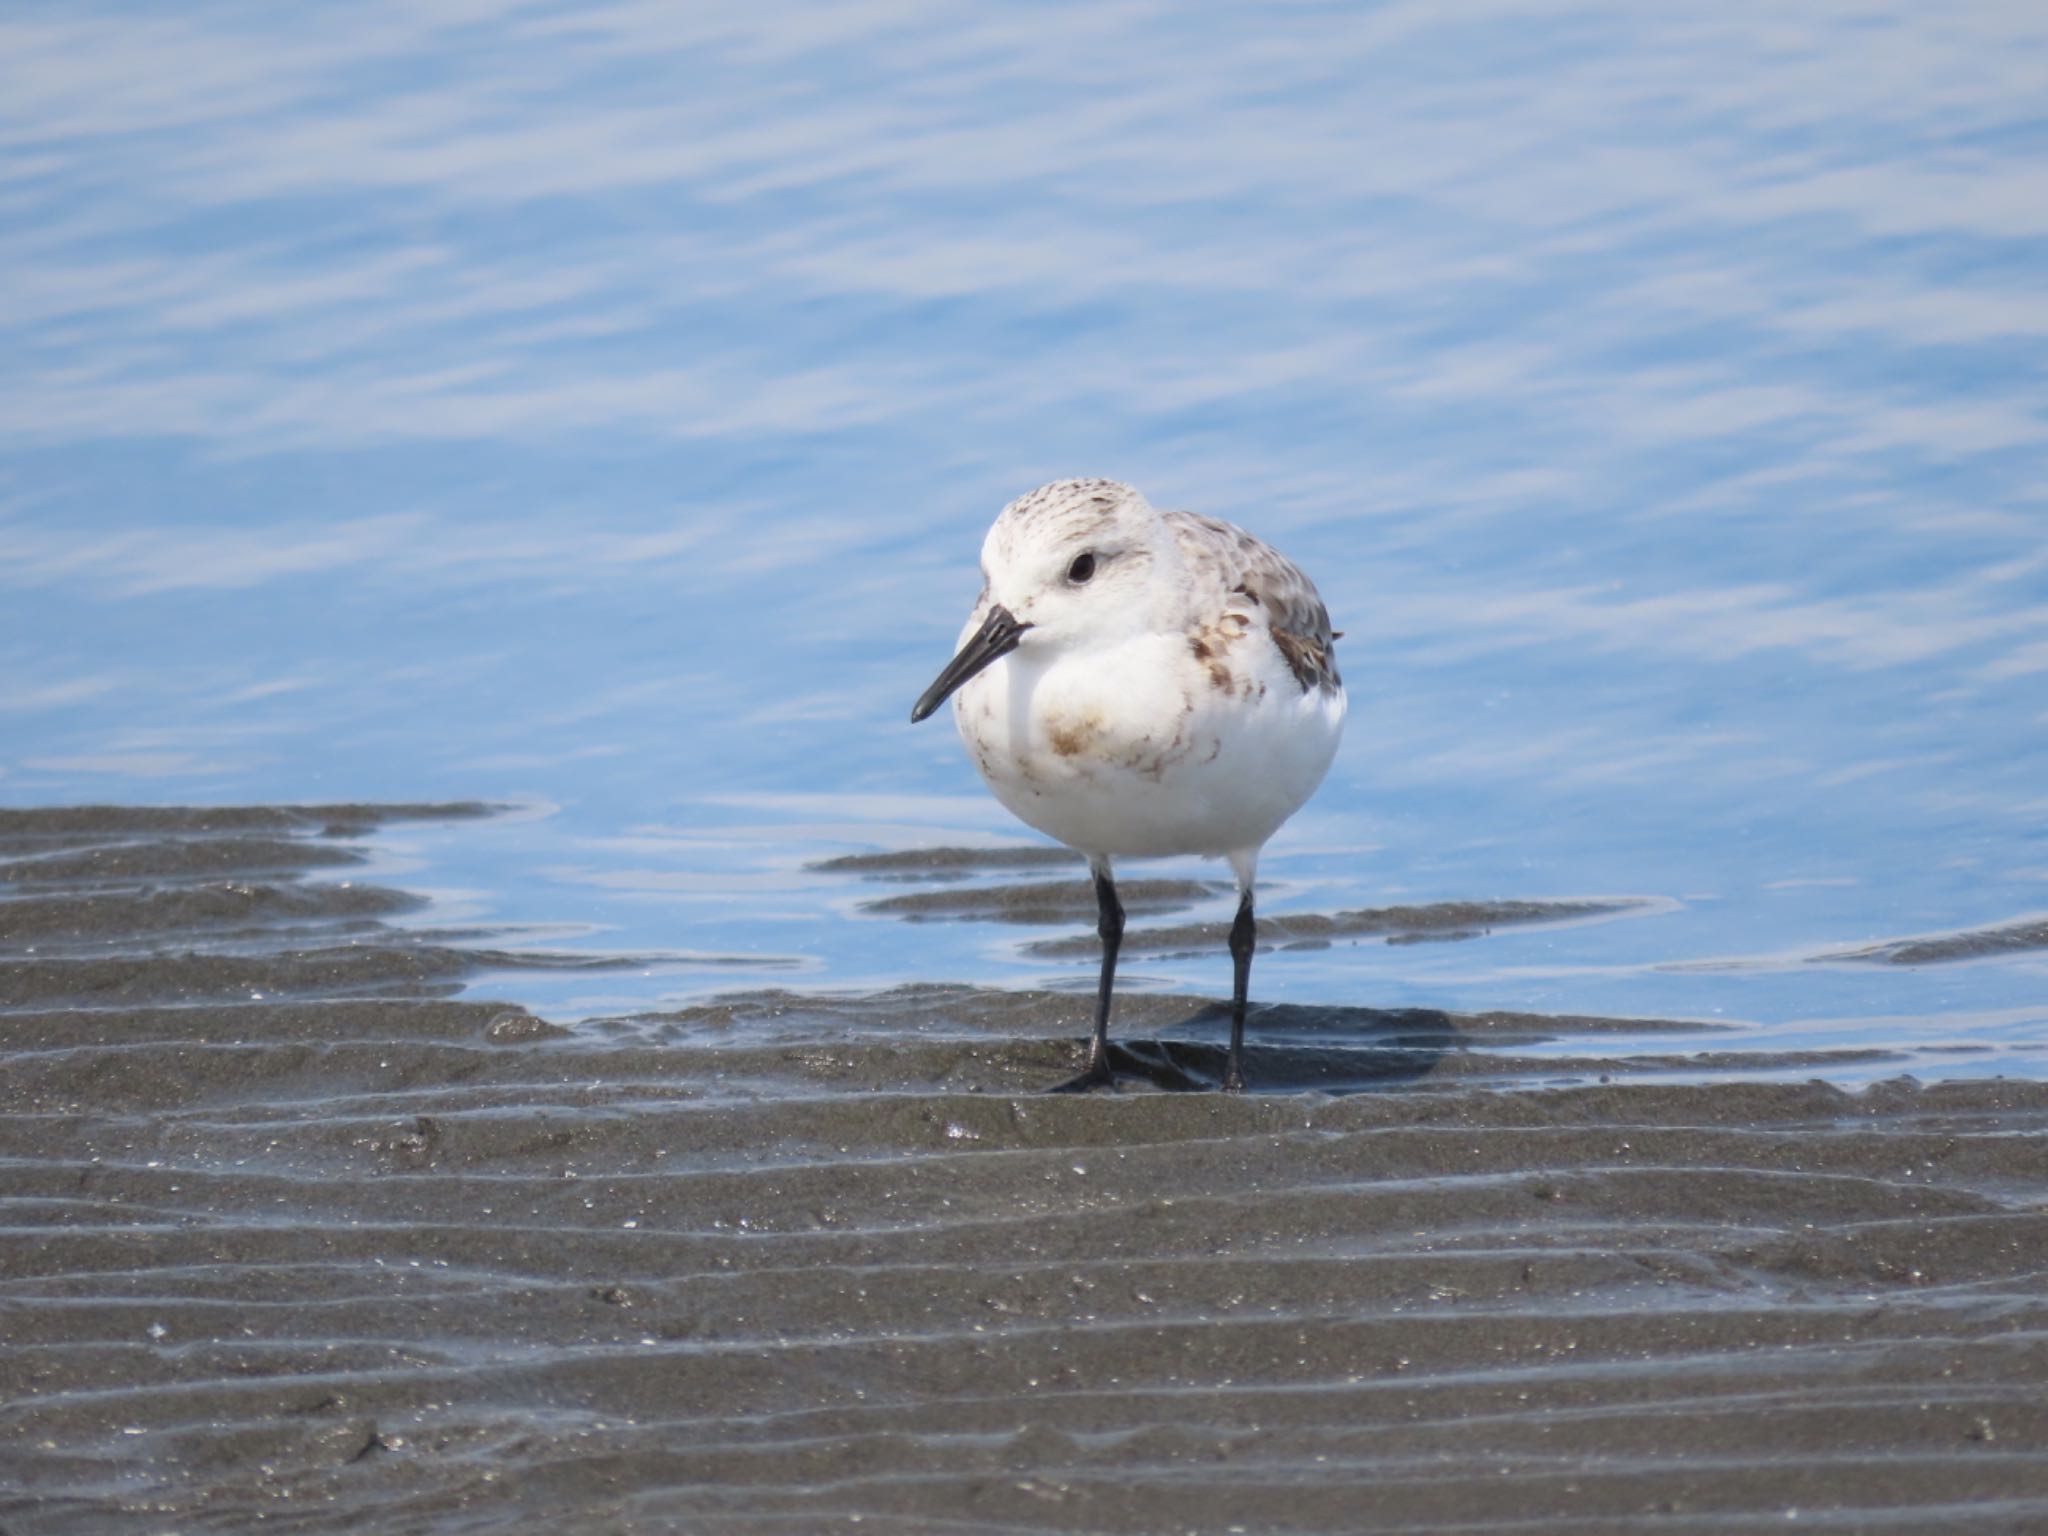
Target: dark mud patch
(94, 823)
(115, 907)
(365, 967)
(87, 833)
(333, 1262)
(1042, 901)
(948, 863)
(1439, 921)
(1947, 948)
(186, 906)
(179, 859)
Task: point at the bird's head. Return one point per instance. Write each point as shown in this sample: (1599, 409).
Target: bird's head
(1071, 563)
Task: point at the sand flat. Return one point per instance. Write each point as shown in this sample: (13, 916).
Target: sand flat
(359, 1254)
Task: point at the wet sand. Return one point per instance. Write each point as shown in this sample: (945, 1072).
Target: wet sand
(1971, 944)
(294, 1236)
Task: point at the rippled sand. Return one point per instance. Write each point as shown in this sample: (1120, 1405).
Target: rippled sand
(295, 1236)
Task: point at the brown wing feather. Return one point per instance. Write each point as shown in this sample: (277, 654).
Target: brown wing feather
(1268, 584)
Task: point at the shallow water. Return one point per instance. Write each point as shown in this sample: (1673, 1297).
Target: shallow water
(1654, 398)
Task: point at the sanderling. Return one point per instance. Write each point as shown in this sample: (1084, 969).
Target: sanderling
(1137, 683)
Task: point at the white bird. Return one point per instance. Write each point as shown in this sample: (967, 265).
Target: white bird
(1137, 683)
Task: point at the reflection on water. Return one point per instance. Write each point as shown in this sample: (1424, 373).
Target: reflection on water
(458, 408)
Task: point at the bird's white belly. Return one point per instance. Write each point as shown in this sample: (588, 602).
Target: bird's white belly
(1140, 751)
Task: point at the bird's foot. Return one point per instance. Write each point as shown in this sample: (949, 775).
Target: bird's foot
(1091, 1077)
(1233, 1076)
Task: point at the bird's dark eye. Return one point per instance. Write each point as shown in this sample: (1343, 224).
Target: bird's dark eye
(1082, 568)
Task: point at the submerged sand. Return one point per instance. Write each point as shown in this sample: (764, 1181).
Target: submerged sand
(292, 1235)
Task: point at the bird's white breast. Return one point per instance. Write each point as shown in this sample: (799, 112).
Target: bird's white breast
(1149, 747)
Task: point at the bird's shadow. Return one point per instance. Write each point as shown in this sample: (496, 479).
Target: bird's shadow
(1295, 1049)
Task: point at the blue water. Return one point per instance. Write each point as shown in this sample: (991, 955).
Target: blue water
(598, 408)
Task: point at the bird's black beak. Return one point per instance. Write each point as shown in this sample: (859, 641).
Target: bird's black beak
(996, 638)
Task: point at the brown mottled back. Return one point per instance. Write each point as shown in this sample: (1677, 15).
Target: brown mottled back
(1264, 590)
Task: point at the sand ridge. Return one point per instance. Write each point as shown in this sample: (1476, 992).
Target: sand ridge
(364, 1253)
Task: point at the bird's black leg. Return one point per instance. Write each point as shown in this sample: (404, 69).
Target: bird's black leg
(1244, 938)
(1109, 924)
